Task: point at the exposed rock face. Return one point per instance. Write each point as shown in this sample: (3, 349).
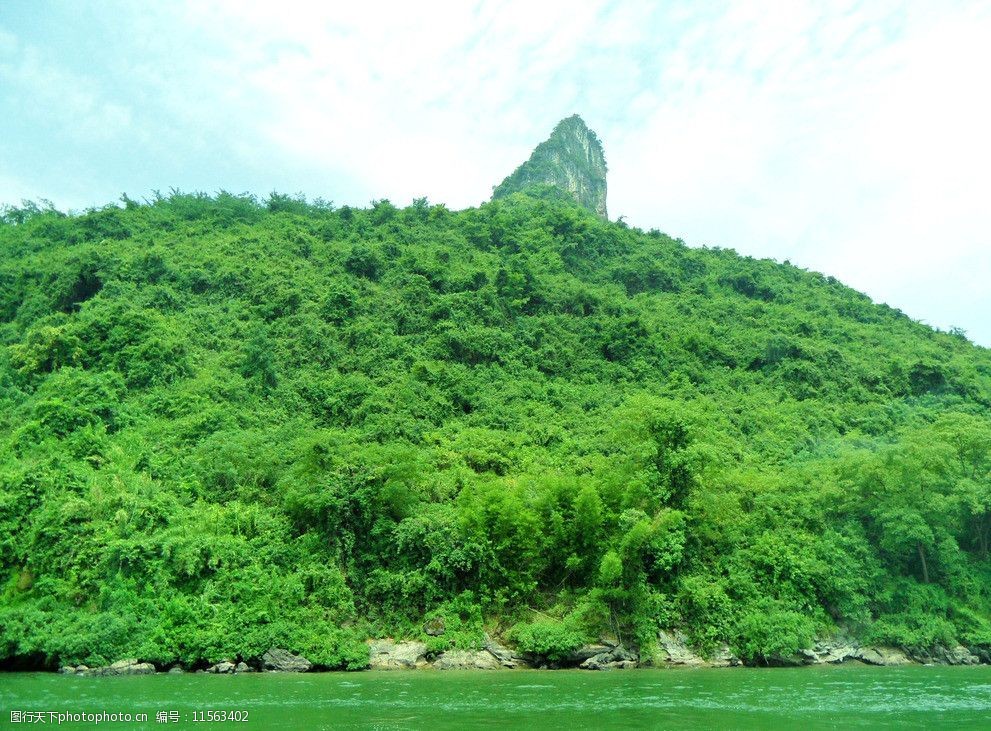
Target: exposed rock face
(389, 655)
(674, 650)
(723, 657)
(830, 652)
(570, 159)
(506, 657)
(284, 661)
(882, 656)
(958, 655)
(841, 649)
(467, 660)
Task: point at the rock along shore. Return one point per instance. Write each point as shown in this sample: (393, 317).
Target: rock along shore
(673, 651)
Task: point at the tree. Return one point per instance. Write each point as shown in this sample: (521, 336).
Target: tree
(969, 438)
(910, 497)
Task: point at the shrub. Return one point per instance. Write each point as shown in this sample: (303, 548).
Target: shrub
(768, 632)
(548, 638)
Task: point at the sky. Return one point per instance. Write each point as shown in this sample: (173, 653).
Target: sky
(850, 138)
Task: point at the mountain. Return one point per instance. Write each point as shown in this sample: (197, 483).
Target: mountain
(571, 159)
(228, 425)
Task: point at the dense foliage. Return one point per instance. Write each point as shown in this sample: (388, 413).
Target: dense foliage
(228, 424)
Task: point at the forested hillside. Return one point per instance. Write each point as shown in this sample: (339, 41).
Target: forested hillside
(228, 424)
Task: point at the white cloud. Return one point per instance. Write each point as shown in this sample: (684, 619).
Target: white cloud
(849, 142)
(13, 191)
(50, 94)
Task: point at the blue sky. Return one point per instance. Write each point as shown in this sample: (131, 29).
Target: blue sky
(850, 138)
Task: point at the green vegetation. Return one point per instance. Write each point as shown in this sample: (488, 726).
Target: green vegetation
(227, 425)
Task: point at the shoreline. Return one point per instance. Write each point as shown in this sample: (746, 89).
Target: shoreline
(406, 656)
(428, 668)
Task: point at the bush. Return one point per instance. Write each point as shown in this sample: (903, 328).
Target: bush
(769, 632)
(552, 639)
(913, 632)
(73, 398)
(706, 609)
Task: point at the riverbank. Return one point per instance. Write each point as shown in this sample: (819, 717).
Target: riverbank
(673, 651)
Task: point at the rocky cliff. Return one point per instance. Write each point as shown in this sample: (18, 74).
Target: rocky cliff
(571, 159)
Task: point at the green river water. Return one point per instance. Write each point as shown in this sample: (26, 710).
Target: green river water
(802, 698)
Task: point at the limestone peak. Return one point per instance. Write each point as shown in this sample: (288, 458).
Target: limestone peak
(571, 159)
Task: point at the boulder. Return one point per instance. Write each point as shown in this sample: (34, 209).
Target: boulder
(176, 670)
(960, 655)
(121, 667)
(583, 653)
(506, 657)
(831, 651)
(957, 655)
(982, 654)
(434, 627)
(596, 662)
(616, 658)
(283, 661)
(243, 667)
(130, 667)
(389, 655)
(882, 656)
(223, 668)
(467, 660)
